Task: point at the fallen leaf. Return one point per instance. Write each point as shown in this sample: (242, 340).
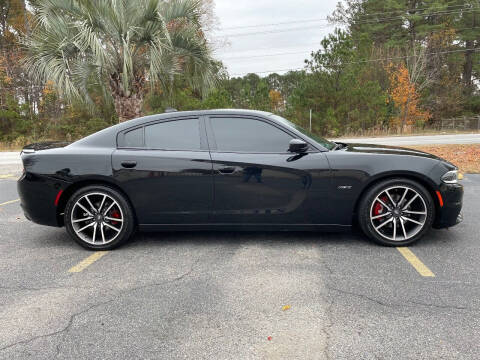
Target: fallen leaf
(269, 338)
(465, 156)
(285, 307)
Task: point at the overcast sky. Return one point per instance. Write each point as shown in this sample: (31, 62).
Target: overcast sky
(243, 52)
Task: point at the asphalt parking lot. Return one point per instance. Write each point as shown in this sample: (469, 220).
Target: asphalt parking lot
(238, 295)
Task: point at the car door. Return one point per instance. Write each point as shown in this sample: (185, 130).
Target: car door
(166, 171)
(256, 179)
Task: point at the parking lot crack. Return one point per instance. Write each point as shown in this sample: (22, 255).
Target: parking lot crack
(363, 296)
(443, 306)
(326, 329)
(178, 278)
(63, 330)
(122, 293)
(393, 305)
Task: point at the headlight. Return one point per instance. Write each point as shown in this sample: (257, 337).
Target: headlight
(450, 177)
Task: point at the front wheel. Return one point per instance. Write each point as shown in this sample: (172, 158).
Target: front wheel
(396, 212)
(99, 218)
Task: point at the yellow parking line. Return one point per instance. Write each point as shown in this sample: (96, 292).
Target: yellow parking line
(7, 176)
(415, 262)
(9, 202)
(87, 262)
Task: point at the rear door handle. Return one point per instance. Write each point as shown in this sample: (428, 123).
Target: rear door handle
(129, 164)
(227, 170)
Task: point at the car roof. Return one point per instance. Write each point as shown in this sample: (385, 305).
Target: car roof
(107, 137)
(174, 114)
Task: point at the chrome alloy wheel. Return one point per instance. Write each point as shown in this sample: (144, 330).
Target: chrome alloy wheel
(398, 213)
(97, 218)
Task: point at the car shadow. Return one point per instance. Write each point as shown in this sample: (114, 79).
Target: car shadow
(59, 238)
(142, 239)
(438, 237)
(353, 238)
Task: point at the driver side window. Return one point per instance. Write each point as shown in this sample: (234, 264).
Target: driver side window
(248, 135)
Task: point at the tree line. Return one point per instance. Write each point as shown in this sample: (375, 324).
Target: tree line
(69, 68)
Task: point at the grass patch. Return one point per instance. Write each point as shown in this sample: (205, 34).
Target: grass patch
(374, 134)
(9, 147)
(466, 157)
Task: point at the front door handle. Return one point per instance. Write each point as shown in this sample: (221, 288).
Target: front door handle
(227, 170)
(129, 164)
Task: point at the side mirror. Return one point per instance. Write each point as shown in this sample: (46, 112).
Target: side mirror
(298, 146)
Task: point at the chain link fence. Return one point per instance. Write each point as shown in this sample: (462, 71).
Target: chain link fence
(463, 123)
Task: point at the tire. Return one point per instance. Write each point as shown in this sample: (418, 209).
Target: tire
(376, 208)
(116, 213)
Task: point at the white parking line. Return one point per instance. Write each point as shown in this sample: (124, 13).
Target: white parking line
(9, 202)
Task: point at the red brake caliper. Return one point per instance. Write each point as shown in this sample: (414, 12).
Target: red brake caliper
(378, 208)
(115, 214)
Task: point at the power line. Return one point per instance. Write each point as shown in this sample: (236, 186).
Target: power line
(318, 42)
(310, 50)
(411, 56)
(274, 24)
(425, 15)
(326, 19)
(267, 55)
(419, 9)
(278, 31)
(309, 45)
(336, 23)
(273, 48)
(361, 61)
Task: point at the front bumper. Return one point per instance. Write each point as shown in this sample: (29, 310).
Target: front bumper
(451, 213)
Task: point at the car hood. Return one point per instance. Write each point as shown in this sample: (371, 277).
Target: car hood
(385, 149)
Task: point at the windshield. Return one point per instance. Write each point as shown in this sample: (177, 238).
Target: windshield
(324, 142)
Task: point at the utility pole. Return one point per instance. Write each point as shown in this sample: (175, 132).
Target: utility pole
(310, 120)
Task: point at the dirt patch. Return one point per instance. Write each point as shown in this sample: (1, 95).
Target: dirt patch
(466, 157)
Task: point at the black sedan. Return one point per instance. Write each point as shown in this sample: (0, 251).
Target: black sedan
(233, 170)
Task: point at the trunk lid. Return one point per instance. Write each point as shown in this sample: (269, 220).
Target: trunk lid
(45, 145)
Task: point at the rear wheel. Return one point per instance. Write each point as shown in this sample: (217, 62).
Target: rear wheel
(99, 218)
(396, 212)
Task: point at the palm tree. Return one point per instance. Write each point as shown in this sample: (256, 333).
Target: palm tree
(123, 46)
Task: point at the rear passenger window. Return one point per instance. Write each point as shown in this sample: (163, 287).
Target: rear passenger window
(133, 138)
(174, 135)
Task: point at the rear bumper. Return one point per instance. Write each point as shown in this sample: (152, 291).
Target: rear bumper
(37, 198)
(451, 213)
